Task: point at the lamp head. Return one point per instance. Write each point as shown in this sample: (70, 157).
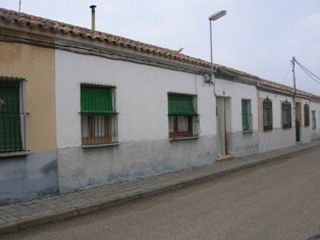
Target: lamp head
(217, 15)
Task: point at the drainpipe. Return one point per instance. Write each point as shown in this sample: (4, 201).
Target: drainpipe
(93, 17)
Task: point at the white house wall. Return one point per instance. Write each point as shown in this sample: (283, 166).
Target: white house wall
(277, 137)
(239, 143)
(141, 101)
(315, 132)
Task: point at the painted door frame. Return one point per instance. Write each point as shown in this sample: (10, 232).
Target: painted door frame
(222, 113)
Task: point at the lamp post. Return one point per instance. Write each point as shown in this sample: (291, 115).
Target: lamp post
(212, 18)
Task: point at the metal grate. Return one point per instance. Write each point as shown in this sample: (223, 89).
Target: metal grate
(98, 116)
(11, 117)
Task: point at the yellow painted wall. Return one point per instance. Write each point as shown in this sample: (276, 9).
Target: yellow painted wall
(37, 66)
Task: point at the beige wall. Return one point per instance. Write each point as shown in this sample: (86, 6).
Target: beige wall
(37, 66)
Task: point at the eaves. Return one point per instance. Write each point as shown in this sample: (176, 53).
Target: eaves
(276, 91)
(100, 49)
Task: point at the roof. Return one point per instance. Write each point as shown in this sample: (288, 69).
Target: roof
(24, 20)
(27, 21)
(281, 87)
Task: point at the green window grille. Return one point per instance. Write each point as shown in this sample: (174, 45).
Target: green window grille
(267, 115)
(246, 115)
(96, 100)
(286, 114)
(181, 105)
(314, 120)
(10, 127)
(306, 115)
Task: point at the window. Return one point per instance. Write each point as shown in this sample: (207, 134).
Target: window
(98, 115)
(246, 115)
(12, 116)
(286, 114)
(314, 120)
(306, 116)
(267, 115)
(183, 116)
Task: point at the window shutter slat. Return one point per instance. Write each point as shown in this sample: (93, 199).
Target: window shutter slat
(96, 100)
(245, 119)
(181, 105)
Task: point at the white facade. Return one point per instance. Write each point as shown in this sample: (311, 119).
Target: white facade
(142, 103)
(315, 122)
(239, 142)
(277, 137)
(141, 96)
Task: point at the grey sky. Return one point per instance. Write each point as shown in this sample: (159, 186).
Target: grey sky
(256, 36)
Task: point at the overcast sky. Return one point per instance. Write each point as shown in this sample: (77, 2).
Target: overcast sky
(256, 36)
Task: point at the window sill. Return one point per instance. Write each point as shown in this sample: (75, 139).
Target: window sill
(247, 132)
(183, 138)
(101, 145)
(14, 154)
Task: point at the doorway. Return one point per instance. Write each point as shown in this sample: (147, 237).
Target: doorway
(223, 113)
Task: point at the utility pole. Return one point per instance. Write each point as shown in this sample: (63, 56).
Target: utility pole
(296, 122)
(293, 61)
(19, 5)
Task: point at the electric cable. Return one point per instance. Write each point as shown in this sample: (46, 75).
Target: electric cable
(308, 72)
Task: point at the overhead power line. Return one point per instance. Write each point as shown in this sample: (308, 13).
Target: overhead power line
(308, 72)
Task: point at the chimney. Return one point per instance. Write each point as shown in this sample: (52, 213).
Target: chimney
(93, 17)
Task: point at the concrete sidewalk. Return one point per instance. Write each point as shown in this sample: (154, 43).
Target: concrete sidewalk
(19, 216)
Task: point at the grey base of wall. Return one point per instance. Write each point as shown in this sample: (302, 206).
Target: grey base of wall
(27, 177)
(86, 167)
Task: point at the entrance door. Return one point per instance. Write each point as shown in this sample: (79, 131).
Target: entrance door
(221, 126)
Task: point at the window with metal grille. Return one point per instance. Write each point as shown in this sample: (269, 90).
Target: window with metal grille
(98, 115)
(246, 115)
(12, 116)
(183, 117)
(286, 114)
(306, 115)
(267, 115)
(314, 120)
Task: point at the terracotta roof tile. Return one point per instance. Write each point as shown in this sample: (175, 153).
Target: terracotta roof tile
(47, 25)
(267, 83)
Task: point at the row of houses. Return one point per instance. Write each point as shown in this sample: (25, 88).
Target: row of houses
(82, 108)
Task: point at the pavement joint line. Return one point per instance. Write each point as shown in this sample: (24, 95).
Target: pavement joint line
(55, 208)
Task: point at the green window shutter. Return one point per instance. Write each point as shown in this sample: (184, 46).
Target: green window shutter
(246, 115)
(97, 100)
(10, 132)
(180, 105)
(245, 122)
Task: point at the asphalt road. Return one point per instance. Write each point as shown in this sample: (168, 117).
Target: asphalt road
(277, 200)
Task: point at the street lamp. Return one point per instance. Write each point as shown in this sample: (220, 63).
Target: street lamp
(212, 18)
